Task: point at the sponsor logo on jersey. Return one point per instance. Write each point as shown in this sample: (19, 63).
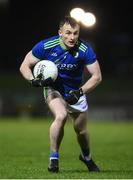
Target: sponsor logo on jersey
(68, 67)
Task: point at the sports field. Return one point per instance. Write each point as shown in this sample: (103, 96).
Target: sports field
(24, 150)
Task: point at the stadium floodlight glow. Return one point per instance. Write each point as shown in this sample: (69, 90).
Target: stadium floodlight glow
(77, 13)
(88, 19)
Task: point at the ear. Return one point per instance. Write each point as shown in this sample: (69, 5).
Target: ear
(59, 32)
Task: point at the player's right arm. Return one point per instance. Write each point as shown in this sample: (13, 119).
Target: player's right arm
(26, 66)
(26, 70)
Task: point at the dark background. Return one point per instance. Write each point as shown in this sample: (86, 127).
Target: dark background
(24, 22)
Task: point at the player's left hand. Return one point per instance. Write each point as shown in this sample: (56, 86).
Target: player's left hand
(74, 96)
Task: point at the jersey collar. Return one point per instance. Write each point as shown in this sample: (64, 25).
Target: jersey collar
(62, 44)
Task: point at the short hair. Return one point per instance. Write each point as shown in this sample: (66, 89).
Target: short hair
(68, 20)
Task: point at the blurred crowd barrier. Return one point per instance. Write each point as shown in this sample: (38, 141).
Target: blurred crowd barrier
(112, 100)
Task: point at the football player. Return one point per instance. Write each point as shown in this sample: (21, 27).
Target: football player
(67, 95)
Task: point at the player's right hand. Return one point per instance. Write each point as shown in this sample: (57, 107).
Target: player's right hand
(37, 82)
(40, 82)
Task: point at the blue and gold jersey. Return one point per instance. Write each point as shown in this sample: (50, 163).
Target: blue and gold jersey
(70, 63)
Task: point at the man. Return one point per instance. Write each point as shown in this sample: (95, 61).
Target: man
(67, 93)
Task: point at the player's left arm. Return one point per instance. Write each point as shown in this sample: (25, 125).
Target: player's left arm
(94, 80)
(96, 77)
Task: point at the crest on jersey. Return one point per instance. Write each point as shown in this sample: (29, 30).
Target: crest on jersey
(76, 54)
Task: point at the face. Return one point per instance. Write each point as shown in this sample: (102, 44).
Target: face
(69, 35)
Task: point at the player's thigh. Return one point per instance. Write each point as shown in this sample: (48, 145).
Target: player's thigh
(58, 107)
(56, 103)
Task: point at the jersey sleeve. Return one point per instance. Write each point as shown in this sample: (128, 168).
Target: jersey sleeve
(90, 56)
(38, 50)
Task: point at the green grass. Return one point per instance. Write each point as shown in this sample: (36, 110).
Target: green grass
(24, 150)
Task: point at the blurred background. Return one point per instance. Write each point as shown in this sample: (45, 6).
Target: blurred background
(24, 22)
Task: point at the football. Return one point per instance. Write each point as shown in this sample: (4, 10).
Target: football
(46, 68)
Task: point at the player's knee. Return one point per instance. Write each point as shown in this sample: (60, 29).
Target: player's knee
(61, 117)
(79, 131)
